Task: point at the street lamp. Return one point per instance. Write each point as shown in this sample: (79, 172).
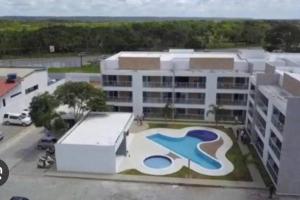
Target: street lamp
(81, 54)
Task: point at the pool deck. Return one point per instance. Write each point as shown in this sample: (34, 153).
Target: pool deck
(140, 147)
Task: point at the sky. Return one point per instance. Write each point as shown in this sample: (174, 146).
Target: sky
(267, 9)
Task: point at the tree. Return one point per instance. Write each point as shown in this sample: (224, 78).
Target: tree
(284, 37)
(167, 111)
(214, 110)
(42, 110)
(81, 97)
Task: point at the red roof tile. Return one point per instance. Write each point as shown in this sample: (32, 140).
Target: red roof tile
(6, 87)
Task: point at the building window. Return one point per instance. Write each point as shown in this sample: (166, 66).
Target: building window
(31, 89)
(3, 102)
(16, 94)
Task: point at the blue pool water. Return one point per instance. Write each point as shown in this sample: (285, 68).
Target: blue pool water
(157, 162)
(187, 146)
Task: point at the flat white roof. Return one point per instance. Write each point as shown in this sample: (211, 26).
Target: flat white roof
(21, 72)
(174, 55)
(98, 129)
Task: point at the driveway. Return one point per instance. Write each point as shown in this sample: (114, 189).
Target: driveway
(10, 131)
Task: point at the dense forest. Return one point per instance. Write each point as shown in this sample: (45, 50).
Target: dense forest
(34, 37)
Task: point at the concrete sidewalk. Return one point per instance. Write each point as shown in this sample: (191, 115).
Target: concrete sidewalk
(159, 180)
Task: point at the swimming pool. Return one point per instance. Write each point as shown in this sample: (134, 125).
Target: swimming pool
(157, 162)
(187, 146)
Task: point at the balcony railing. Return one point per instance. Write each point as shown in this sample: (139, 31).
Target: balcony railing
(151, 84)
(272, 171)
(260, 127)
(154, 114)
(275, 148)
(189, 85)
(190, 100)
(157, 100)
(225, 118)
(117, 83)
(189, 116)
(262, 106)
(232, 86)
(231, 102)
(279, 125)
(119, 99)
(259, 148)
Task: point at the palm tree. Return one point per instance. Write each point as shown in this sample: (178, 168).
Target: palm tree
(214, 110)
(167, 111)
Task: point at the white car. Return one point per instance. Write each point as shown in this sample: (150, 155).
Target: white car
(25, 113)
(18, 119)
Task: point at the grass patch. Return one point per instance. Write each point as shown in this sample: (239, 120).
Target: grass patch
(84, 69)
(240, 172)
(260, 166)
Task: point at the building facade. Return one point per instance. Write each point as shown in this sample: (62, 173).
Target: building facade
(258, 89)
(16, 95)
(272, 122)
(190, 83)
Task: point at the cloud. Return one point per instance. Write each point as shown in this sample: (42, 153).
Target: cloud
(179, 8)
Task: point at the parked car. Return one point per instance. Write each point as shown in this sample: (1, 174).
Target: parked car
(18, 119)
(25, 112)
(18, 198)
(47, 142)
(1, 136)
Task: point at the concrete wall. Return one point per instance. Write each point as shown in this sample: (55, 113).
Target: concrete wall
(72, 61)
(289, 175)
(212, 63)
(13, 105)
(291, 84)
(139, 63)
(77, 77)
(85, 158)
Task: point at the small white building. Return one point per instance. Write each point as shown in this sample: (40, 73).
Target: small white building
(94, 143)
(16, 95)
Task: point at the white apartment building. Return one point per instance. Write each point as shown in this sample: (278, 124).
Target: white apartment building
(16, 95)
(273, 124)
(257, 88)
(144, 82)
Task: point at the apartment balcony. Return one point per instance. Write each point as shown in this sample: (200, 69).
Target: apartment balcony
(189, 116)
(119, 99)
(157, 84)
(232, 86)
(259, 148)
(225, 118)
(117, 83)
(231, 102)
(262, 106)
(251, 112)
(157, 100)
(153, 115)
(261, 127)
(272, 171)
(189, 84)
(190, 100)
(278, 124)
(275, 148)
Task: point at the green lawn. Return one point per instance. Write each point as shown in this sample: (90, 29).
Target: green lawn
(84, 69)
(240, 172)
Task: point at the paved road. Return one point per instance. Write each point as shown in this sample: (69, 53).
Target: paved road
(70, 61)
(44, 188)
(26, 180)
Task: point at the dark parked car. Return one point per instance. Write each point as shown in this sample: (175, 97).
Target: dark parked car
(19, 198)
(1, 136)
(47, 143)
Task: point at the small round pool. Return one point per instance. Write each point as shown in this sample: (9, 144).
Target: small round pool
(157, 162)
